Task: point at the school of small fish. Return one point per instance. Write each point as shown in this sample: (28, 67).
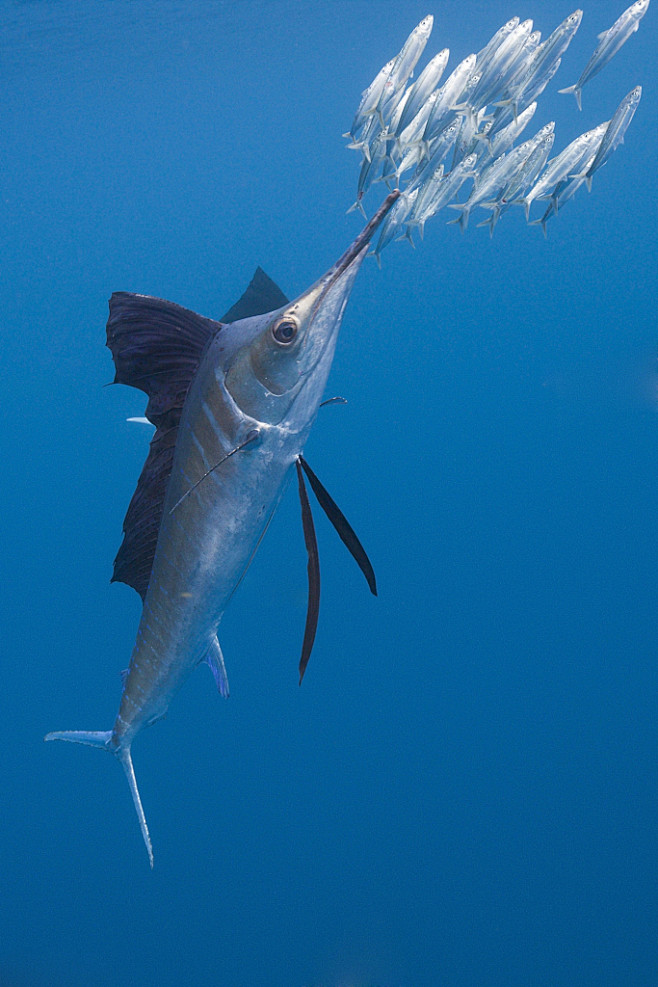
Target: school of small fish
(478, 113)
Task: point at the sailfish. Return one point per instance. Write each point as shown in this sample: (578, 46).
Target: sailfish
(232, 402)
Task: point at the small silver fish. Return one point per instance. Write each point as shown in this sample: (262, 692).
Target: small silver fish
(467, 131)
(403, 67)
(567, 187)
(521, 65)
(565, 190)
(614, 134)
(427, 82)
(484, 56)
(610, 42)
(397, 115)
(440, 190)
(567, 161)
(411, 158)
(414, 130)
(425, 191)
(536, 87)
(522, 176)
(541, 65)
(438, 148)
(502, 65)
(369, 168)
(491, 181)
(395, 221)
(369, 101)
(366, 137)
(411, 51)
(487, 185)
(501, 141)
(449, 93)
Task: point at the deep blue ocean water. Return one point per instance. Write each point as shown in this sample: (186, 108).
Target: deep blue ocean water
(463, 791)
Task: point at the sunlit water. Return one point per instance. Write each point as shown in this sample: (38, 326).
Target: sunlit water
(463, 790)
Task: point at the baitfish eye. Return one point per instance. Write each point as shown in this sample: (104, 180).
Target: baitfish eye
(285, 331)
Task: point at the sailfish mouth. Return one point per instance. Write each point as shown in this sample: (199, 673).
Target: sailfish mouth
(356, 248)
(327, 298)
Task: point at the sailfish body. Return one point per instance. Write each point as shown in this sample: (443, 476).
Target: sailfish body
(233, 403)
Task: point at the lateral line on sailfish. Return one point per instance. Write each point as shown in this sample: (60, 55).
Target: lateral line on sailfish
(250, 437)
(212, 387)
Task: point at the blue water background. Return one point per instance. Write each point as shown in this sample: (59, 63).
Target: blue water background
(463, 791)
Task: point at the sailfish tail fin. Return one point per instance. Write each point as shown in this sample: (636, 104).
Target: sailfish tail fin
(127, 764)
(93, 738)
(102, 739)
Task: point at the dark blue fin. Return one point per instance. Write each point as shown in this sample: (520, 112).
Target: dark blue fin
(313, 609)
(262, 295)
(341, 524)
(157, 347)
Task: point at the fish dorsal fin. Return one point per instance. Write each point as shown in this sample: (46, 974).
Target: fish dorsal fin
(157, 347)
(262, 295)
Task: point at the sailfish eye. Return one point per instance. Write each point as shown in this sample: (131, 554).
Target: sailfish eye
(284, 331)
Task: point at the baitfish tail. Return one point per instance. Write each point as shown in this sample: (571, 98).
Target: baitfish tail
(103, 739)
(576, 91)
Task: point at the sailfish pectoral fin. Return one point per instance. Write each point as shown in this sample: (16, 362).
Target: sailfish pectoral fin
(342, 526)
(313, 568)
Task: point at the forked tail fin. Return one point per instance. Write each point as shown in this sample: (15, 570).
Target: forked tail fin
(102, 739)
(576, 91)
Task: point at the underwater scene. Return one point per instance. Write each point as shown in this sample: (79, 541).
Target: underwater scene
(374, 286)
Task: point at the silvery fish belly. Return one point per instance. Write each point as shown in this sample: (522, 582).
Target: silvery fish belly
(211, 525)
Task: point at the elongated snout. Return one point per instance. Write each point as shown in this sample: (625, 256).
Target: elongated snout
(356, 249)
(279, 374)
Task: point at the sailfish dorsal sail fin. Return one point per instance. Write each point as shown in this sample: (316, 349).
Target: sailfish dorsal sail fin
(157, 347)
